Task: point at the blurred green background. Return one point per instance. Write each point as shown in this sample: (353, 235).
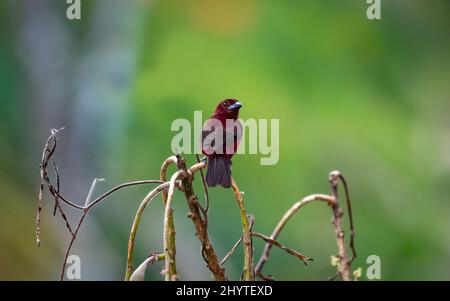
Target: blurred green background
(370, 98)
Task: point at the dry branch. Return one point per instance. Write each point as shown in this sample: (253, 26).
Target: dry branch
(170, 222)
(278, 245)
(311, 198)
(248, 273)
(201, 226)
(47, 156)
(343, 266)
(344, 263)
(137, 219)
(205, 189)
(169, 231)
(350, 216)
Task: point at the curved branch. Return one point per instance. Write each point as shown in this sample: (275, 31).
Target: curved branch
(128, 184)
(137, 219)
(311, 198)
(163, 177)
(163, 173)
(196, 167)
(169, 231)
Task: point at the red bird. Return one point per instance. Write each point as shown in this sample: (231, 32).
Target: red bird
(221, 136)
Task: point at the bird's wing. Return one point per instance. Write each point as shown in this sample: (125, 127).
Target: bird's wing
(212, 138)
(233, 136)
(225, 141)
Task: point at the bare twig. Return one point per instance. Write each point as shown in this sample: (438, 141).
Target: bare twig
(311, 198)
(91, 205)
(231, 251)
(91, 191)
(252, 221)
(248, 273)
(136, 222)
(74, 236)
(278, 245)
(205, 189)
(208, 252)
(57, 204)
(343, 266)
(55, 168)
(170, 221)
(169, 231)
(204, 210)
(163, 174)
(46, 156)
(118, 187)
(350, 217)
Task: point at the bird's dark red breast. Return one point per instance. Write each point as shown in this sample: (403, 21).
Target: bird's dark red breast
(221, 136)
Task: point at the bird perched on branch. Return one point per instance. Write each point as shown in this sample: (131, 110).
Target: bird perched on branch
(221, 135)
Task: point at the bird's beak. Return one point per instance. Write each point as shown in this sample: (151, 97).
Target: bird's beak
(235, 106)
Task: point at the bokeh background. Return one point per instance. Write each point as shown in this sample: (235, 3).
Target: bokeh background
(370, 98)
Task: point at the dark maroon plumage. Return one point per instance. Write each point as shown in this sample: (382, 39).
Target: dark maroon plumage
(220, 150)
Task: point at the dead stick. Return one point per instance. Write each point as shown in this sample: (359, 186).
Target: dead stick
(137, 219)
(248, 273)
(311, 198)
(169, 231)
(278, 245)
(343, 266)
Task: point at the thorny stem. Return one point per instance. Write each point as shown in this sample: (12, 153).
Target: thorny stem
(137, 219)
(248, 273)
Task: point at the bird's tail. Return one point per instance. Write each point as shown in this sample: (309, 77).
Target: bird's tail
(219, 171)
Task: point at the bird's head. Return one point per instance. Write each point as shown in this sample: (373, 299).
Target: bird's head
(228, 108)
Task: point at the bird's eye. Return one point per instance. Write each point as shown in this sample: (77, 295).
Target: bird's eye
(225, 104)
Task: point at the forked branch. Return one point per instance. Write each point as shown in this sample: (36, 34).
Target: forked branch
(343, 266)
